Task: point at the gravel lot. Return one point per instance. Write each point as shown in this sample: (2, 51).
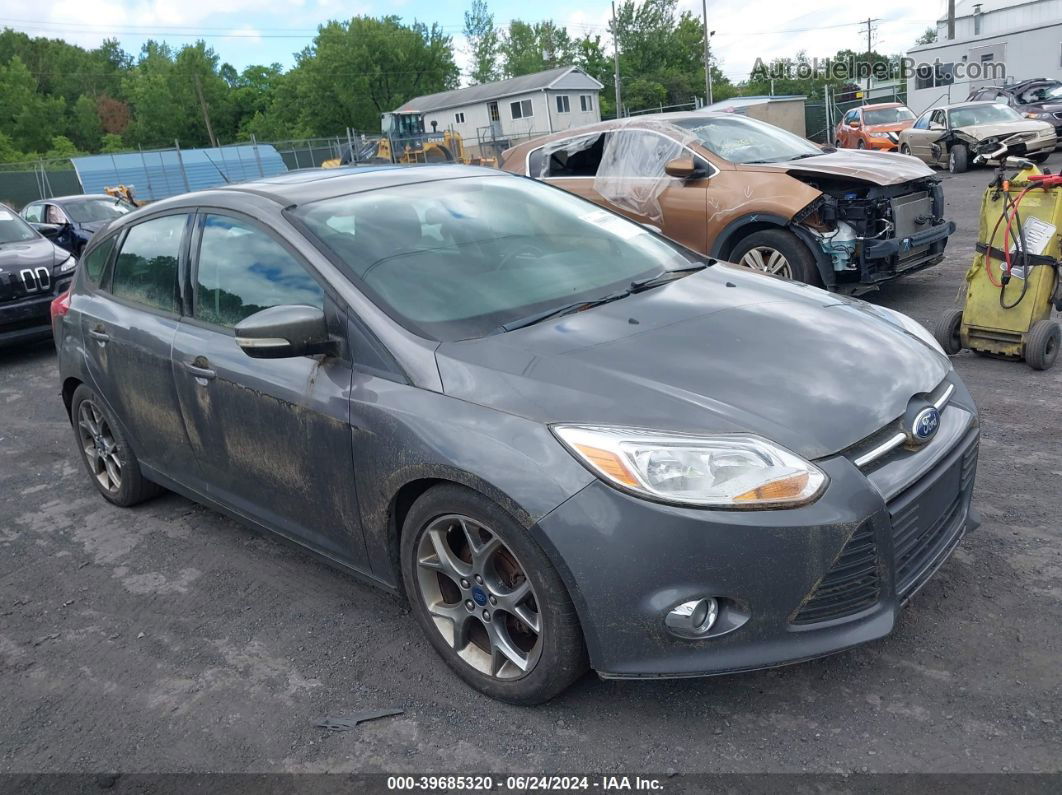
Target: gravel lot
(168, 638)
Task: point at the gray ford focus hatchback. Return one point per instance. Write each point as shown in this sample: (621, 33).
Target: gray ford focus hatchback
(570, 442)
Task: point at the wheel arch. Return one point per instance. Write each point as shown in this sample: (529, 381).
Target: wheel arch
(740, 228)
(70, 385)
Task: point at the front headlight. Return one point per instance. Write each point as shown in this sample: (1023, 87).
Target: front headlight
(68, 264)
(1038, 115)
(910, 325)
(731, 471)
(879, 135)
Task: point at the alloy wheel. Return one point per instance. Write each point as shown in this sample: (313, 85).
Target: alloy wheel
(767, 260)
(99, 446)
(479, 597)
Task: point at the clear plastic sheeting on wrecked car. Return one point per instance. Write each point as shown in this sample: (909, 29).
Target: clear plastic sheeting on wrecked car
(630, 175)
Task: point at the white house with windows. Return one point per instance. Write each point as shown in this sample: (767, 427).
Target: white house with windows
(1025, 36)
(515, 109)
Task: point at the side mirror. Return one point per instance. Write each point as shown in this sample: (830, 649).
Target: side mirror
(283, 332)
(855, 124)
(685, 168)
(50, 231)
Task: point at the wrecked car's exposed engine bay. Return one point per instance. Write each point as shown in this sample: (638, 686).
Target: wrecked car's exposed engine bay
(873, 233)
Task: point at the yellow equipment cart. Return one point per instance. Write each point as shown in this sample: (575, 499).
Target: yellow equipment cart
(1013, 284)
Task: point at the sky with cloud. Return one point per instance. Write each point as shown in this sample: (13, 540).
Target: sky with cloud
(251, 31)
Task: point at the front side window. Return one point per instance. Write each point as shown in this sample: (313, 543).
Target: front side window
(923, 121)
(851, 116)
(521, 109)
(53, 215)
(33, 213)
(887, 116)
(936, 121)
(146, 268)
(242, 270)
(740, 139)
(460, 258)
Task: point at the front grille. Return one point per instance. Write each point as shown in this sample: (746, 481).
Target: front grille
(927, 521)
(852, 584)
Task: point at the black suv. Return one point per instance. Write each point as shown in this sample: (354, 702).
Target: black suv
(1038, 98)
(33, 271)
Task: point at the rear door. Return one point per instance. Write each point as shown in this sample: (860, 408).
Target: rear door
(128, 324)
(271, 436)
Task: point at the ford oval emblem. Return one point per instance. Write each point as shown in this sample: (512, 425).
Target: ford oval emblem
(925, 424)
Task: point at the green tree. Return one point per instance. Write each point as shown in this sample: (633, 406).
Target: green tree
(590, 56)
(85, 127)
(354, 71)
(483, 42)
(527, 48)
(61, 147)
(928, 37)
(8, 152)
(112, 143)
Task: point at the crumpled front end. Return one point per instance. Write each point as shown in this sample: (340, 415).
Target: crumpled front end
(868, 234)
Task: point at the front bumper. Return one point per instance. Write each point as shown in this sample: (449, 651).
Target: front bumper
(28, 319)
(881, 144)
(791, 586)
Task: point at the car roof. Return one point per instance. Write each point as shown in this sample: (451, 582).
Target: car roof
(882, 106)
(956, 105)
(72, 198)
(657, 120)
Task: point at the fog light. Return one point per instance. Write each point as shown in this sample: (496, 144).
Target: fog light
(693, 619)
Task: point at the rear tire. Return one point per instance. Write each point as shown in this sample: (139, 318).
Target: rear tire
(1041, 346)
(111, 463)
(525, 654)
(1040, 157)
(958, 158)
(905, 150)
(946, 332)
(777, 252)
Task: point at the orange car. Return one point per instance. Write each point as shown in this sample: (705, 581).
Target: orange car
(873, 127)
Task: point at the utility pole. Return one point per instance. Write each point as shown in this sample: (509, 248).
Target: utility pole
(206, 113)
(869, 65)
(615, 61)
(707, 56)
(951, 19)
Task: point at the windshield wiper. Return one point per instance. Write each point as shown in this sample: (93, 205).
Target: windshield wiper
(639, 285)
(807, 154)
(567, 309)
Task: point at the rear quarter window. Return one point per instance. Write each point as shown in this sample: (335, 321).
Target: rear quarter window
(96, 260)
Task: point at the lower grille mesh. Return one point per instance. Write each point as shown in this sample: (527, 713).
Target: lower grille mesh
(852, 584)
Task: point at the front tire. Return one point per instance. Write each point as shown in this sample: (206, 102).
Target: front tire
(111, 463)
(947, 331)
(861, 144)
(1040, 157)
(1041, 346)
(776, 252)
(958, 159)
(488, 599)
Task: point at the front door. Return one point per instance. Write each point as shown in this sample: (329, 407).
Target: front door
(271, 436)
(624, 171)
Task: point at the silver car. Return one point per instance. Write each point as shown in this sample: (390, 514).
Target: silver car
(946, 135)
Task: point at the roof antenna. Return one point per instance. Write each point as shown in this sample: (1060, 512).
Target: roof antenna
(215, 165)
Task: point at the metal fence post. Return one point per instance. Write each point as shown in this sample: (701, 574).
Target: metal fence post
(180, 163)
(257, 156)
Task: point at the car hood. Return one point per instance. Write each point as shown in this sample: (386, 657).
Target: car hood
(35, 253)
(879, 168)
(92, 226)
(982, 131)
(892, 127)
(721, 351)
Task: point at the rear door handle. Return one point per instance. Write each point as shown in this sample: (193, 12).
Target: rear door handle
(99, 333)
(200, 368)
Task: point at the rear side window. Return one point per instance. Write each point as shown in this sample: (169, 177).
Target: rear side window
(578, 157)
(96, 260)
(242, 270)
(146, 268)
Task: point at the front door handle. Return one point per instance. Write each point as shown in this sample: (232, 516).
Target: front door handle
(200, 368)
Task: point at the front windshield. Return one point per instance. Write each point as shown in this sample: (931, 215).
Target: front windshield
(86, 211)
(740, 139)
(887, 116)
(454, 259)
(983, 114)
(13, 229)
(1046, 92)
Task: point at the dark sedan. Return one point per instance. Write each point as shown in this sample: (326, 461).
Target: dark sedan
(33, 271)
(568, 441)
(71, 221)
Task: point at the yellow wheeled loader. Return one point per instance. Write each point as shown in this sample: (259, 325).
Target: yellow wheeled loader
(1013, 284)
(404, 140)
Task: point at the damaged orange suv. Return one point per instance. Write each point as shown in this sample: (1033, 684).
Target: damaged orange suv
(873, 127)
(746, 191)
